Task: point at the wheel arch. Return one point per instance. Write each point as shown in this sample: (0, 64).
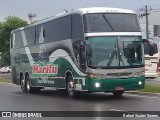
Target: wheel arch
(27, 73)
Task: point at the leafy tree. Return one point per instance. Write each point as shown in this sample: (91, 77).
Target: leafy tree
(11, 23)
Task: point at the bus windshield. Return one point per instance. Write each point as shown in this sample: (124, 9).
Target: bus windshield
(111, 22)
(114, 52)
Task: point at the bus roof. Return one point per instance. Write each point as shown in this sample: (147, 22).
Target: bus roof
(103, 10)
(79, 11)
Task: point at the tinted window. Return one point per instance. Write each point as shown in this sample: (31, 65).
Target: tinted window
(77, 25)
(79, 50)
(30, 35)
(11, 40)
(76, 49)
(18, 40)
(59, 29)
(39, 34)
(103, 22)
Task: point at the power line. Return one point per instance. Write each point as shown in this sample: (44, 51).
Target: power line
(145, 12)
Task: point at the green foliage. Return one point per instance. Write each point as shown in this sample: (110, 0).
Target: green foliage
(11, 23)
(5, 80)
(151, 88)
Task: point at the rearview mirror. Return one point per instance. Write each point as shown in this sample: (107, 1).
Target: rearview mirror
(150, 45)
(151, 50)
(145, 40)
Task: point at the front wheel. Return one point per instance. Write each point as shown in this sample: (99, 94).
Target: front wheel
(70, 88)
(118, 93)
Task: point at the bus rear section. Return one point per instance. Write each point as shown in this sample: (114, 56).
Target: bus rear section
(151, 62)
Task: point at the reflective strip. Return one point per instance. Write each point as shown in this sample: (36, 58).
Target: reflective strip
(61, 52)
(113, 34)
(50, 77)
(52, 58)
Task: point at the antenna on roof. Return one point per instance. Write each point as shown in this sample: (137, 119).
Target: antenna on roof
(31, 17)
(65, 10)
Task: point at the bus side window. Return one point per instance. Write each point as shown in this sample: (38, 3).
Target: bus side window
(11, 41)
(76, 52)
(82, 56)
(13, 38)
(79, 51)
(77, 28)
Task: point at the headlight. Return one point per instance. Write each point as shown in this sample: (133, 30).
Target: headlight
(139, 74)
(140, 83)
(97, 76)
(97, 85)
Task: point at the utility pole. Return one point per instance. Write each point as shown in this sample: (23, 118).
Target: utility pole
(147, 30)
(145, 12)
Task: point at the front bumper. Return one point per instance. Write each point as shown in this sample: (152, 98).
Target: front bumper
(109, 85)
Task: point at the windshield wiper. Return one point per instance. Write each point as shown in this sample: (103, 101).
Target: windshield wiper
(114, 52)
(108, 22)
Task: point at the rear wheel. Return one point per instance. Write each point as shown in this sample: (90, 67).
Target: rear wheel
(118, 93)
(70, 88)
(25, 86)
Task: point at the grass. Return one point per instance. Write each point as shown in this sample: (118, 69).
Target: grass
(5, 80)
(151, 88)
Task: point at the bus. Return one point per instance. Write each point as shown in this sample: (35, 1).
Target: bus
(152, 61)
(97, 49)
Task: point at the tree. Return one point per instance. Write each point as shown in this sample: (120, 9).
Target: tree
(11, 23)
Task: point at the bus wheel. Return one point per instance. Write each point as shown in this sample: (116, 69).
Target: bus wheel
(30, 89)
(118, 93)
(70, 87)
(23, 86)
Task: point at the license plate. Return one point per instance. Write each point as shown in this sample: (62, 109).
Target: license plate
(119, 88)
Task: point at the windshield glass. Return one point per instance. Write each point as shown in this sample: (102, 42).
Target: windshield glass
(102, 22)
(114, 52)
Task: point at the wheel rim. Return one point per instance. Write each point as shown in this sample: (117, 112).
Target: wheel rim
(28, 85)
(23, 85)
(70, 88)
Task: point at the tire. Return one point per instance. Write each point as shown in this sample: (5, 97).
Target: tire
(118, 93)
(23, 86)
(70, 88)
(26, 88)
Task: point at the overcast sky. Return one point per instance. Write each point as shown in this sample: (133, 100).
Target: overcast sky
(46, 8)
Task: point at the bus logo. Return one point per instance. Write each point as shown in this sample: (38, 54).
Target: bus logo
(48, 69)
(148, 65)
